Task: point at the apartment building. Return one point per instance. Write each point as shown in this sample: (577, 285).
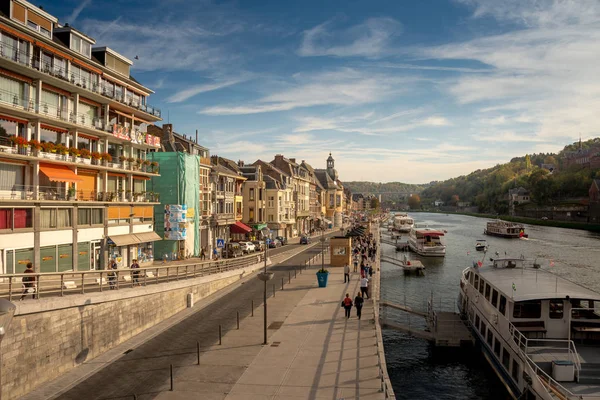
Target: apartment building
(255, 199)
(333, 191)
(314, 198)
(73, 148)
(301, 190)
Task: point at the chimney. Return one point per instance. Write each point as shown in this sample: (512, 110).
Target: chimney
(214, 160)
(184, 136)
(293, 160)
(240, 163)
(196, 135)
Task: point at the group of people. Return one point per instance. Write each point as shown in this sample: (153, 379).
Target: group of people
(364, 253)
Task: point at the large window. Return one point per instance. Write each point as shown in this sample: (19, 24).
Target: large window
(502, 305)
(487, 291)
(55, 218)
(497, 347)
(13, 91)
(90, 216)
(16, 218)
(556, 310)
(505, 359)
(495, 298)
(81, 46)
(12, 177)
(528, 309)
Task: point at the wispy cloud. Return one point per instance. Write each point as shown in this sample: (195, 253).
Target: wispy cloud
(197, 89)
(76, 11)
(372, 38)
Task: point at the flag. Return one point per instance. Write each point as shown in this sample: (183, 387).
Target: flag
(552, 263)
(479, 263)
(514, 287)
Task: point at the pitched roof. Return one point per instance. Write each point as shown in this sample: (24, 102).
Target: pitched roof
(325, 179)
(221, 170)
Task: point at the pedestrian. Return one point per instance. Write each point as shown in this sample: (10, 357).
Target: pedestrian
(28, 282)
(358, 303)
(203, 254)
(347, 304)
(112, 275)
(136, 273)
(364, 286)
(346, 273)
(215, 254)
(355, 264)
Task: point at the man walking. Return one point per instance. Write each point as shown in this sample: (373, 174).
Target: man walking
(346, 273)
(28, 282)
(364, 286)
(358, 303)
(136, 272)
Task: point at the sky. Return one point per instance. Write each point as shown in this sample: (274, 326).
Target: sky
(402, 90)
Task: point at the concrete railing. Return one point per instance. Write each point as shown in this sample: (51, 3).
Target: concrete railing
(54, 284)
(386, 383)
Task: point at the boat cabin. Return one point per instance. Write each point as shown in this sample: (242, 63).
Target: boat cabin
(429, 237)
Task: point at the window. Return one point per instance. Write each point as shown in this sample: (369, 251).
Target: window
(471, 275)
(477, 322)
(528, 309)
(495, 298)
(81, 46)
(51, 218)
(270, 217)
(97, 216)
(16, 218)
(506, 359)
(502, 306)
(497, 347)
(84, 216)
(252, 194)
(556, 309)
(251, 214)
(515, 370)
(487, 291)
(490, 337)
(481, 285)
(483, 329)
(476, 281)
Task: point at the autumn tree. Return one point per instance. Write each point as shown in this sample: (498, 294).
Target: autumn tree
(454, 200)
(414, 202)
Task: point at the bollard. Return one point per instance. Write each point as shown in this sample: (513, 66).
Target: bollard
(135, 397)
(281, 283)
(289, 277)
(252, 315)
(198, 351)
(237, 313)
(294, 273)
(220, 335)
(273, 290)
(172, 377)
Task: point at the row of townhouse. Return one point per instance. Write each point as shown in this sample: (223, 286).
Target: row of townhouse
(74, 148)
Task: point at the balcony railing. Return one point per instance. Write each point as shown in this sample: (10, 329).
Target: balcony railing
(24, 192)
(86, 81)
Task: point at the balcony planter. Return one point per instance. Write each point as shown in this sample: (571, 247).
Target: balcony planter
(322, 276)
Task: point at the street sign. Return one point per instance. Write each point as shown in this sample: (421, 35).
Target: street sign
(220, 243)
(268, 241)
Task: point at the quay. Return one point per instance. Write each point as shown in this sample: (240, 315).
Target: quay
(313, 351)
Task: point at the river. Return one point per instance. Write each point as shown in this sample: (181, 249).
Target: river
(416, 369)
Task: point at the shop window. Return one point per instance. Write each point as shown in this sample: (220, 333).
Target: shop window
(556, 309)
(506, 359)
(502, 305)
(528, 309)
(83, 256)
(495, 298)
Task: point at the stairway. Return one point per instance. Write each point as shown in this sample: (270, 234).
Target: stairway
(590, 374)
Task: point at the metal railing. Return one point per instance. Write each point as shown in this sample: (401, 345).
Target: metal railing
(58, 284)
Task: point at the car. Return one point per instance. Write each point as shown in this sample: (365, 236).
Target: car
(251, 247)
(259, 245)
(274, 243)
(304, 240)
(245, 247)
(282, 239)
(233, 250)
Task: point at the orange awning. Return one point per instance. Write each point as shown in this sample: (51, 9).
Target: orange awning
(59, 173)
(141, 178)
(239, 227)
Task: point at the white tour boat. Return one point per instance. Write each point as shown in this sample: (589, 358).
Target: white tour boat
(504, 229)
(526, 322)
(403, 223)
(427, 242)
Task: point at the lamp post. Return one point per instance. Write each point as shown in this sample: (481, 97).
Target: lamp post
(264, 276)
(323, 248)
(7, 311)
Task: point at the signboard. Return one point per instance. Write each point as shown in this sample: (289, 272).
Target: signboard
(175, 222)
(220, 243)
(121, 132)
(152, 140)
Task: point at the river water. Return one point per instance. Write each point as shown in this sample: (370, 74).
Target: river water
(417, 370)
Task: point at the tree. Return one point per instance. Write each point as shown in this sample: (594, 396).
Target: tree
(550, 160)
(414, 202)
(454, 200)
(374, 203)
(527, 162)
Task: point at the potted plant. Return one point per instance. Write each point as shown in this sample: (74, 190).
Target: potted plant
(96, 157)
(322, 276)
(71, 193)
(36, 145)
(106, 157)
(21, 143)
(74, 152)
(85, 154)
(122, 159)
(147, 165)
(48, 147)
(131, 161)
(154, 166)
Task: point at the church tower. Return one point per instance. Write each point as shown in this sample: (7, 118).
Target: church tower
(331, 168)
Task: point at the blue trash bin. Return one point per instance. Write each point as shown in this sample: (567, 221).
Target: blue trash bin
(322, 278)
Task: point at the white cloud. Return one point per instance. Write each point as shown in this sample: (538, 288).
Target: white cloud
(76, 11)
(505, 137)
(197, 89)
(372, 38)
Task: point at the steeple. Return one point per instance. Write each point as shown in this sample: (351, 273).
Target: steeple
(331, 168)
(330, 162)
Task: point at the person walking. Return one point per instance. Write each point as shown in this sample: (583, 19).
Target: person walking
(358, 303)
(112, 275)
(364, 286)
(28, 282)
(355, 264)
(215, 254)
(203, 254)
(347, 304)
(346, 273)
(136, 273)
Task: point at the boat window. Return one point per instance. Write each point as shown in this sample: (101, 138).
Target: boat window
(483, 329)
(528, 309)
(495, 298)
(497, 347)
(481, 285)
(471, 275)
(476, 281)
(490, 337)
(477, 322)
(556, 309)
(487, 291)
(515, 371)
(506, 359)
(502, 305)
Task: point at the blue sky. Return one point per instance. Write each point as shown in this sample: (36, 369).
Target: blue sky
(400, 90)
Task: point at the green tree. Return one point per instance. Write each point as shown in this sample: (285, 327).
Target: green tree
(527, 162)
(374, 203)
(414, 202)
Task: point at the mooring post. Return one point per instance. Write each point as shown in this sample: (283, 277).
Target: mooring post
(281, 283)
(220, 335)
(198, 351)
(237, 314)
(171, 377)
(252, 315)
(289, 277)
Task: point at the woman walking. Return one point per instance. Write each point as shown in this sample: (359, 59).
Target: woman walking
(358, 303)
(347, 304)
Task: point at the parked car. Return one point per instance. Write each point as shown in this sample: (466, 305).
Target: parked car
(233, 250)
(282, 240)
(251, 247)
(274, 243)
(304, 240)
(244, 246)
(259, 245)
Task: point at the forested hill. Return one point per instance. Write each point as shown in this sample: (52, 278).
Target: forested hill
(488, 188)
(387, 188)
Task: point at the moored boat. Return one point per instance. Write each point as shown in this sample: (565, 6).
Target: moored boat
(504, 229)
(481, 245)
(427, 242)
(403, 223)
(526, 321)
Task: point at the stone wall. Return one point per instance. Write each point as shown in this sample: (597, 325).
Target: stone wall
(51, 336)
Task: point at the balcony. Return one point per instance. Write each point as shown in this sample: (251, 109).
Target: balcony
(302, 213)
(82, 81)
(55, 193)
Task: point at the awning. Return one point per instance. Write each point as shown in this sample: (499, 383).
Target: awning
(148, 237)
(124, 240)
(259, 227)
(141, 178)
(239, 227)
(59, 173)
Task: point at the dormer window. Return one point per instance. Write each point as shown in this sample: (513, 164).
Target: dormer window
(81, 46)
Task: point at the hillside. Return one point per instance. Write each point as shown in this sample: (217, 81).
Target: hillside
(488, 188)
(384, 188)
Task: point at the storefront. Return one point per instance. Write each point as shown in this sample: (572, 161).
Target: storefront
(135, 246)
(239, 231)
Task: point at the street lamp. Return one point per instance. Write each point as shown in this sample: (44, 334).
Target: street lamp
(265, 276)
(7, 311)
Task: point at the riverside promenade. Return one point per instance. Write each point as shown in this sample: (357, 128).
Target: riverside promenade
(313, 351)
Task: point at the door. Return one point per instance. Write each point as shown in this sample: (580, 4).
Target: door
(95, 262)
(556, 322)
